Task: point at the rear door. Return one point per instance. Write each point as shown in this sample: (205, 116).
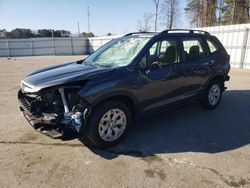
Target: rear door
(197, 64)
(217, 53)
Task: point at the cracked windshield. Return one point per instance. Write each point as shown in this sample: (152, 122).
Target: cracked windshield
(117, 53)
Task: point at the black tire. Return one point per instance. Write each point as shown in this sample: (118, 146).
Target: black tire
(205, 102)
(92, 130)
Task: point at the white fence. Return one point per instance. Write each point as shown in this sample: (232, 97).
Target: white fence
(235, 38)
(43, 46)
(97, 42)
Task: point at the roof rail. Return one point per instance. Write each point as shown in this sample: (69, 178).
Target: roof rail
(134, 33)
(187, 30)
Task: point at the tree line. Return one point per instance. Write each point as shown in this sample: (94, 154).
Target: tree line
(166, 14)
(218, 12)
(201, 13)
(28, 33)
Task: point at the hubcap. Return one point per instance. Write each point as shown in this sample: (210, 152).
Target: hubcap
(112, 125)
(214, 94)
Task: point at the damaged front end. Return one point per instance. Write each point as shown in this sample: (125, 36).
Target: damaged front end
(54, 111)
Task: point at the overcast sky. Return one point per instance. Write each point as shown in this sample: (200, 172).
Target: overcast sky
(114, 16)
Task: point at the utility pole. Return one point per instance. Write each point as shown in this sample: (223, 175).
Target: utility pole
(88, 20)
(78, 29)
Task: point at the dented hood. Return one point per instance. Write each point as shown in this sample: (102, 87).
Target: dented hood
(62, 74)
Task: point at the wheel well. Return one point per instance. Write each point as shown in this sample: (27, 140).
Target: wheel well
(121, 98)
(219, 78)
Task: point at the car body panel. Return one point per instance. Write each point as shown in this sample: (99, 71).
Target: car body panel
(63, 74)
(149, 90)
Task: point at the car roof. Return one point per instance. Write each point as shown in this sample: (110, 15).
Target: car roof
(182, 32)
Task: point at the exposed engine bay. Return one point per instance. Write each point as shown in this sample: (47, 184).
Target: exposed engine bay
(54, 111)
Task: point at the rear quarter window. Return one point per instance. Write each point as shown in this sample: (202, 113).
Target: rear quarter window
(213, 47)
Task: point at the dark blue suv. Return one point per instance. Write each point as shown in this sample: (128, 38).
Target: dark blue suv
(127, 78)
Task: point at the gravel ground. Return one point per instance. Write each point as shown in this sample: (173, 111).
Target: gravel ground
(187, 147)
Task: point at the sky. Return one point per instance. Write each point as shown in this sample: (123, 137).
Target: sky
(106, 16)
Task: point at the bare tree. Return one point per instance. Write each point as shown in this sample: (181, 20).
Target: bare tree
(156, 3)
(170, 10)
(144, 24)
(220, 10)
(202, 12)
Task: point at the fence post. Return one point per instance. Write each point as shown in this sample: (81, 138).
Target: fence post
(244, 48)
(8, 47)
(32, 47)
(71, 41)
(89, 42)
(54, 48)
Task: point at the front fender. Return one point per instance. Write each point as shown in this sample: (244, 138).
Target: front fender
(95, 93)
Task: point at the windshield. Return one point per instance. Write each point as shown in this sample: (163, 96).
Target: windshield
(118, 52)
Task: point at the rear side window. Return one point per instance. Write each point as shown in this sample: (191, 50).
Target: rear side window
(192, 49)
(212, 46)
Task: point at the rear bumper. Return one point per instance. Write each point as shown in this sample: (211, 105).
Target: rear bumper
(227, 78)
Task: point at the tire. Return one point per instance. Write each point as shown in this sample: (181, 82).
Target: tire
(213, 95)
(108, 124)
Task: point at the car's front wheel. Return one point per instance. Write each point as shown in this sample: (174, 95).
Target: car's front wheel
(213, 95)
(108, 123)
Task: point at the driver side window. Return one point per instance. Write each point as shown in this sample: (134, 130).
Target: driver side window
(162, 53)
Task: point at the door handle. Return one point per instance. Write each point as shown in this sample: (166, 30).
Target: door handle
(210, 63)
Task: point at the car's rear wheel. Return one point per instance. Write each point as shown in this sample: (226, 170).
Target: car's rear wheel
(108, 124)
(213, 95)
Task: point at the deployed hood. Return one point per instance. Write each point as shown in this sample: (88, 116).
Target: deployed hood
(62, 74)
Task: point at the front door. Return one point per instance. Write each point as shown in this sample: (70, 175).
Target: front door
(160, 75)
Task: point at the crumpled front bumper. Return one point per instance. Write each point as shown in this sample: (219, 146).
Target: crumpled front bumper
(25, 106)
(47, 124)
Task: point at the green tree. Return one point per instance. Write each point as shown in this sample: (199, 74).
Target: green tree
(235, 12)
(87, 35)
(3, 33)
(202, 12)
(21, 33)
(52, 33)
(57, 33)
(65, 33)
(44, 33)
